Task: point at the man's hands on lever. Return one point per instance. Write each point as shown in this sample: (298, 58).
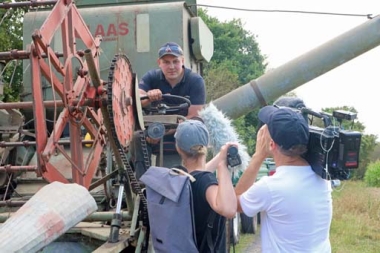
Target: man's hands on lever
(153, 95)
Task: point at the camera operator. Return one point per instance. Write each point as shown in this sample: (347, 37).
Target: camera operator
(295, 204)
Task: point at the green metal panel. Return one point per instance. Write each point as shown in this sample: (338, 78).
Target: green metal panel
(92, 3)
(121, 2)
(203, 46)
(118, 27)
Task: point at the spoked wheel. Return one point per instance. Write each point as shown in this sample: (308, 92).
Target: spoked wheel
(121, 122)
(121, 84)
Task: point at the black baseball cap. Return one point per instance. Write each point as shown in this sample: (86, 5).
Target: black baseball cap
(170, 48)
(286, 127)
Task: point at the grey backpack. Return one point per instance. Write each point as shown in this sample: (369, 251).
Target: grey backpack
(170, 210)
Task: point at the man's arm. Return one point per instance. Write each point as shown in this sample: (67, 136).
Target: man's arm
(248, 178)
(250, 174)
(221, 197)
(213, 163)
(193, 111)
(153, 95)
(197, 95)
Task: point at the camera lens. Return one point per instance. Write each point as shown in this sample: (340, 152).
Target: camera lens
(233, 151)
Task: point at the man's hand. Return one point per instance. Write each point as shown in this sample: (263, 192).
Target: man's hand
(250, 174)
(170, 131)
(223, 154)
(154, 95)
(152, 141)
(263, 142)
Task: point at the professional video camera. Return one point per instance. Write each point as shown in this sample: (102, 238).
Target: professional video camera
(332, 150)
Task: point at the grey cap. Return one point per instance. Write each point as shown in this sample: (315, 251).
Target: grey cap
(191, 133)
(170, 48)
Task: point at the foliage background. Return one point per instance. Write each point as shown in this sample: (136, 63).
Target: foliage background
(237, 60)
(372, 174)
(11, 39)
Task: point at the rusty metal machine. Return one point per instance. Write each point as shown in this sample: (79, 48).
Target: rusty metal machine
(79, 80)
(81, 64)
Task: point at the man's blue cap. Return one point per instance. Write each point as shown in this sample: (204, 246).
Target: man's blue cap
(170, 48)
(286, 127)
(191, 133)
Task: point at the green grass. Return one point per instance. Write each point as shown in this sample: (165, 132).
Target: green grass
(244, 242)
(356, 220)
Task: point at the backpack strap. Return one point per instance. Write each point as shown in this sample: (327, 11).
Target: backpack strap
(179, 171)
(208, 237)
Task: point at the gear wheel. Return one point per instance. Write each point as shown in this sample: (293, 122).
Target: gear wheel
(121, 115)
(122, 85)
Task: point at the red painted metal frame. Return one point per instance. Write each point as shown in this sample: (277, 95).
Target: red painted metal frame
(65, 16)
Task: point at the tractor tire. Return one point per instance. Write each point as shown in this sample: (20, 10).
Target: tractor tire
(232, 233)
(235, 229)
(248, 224)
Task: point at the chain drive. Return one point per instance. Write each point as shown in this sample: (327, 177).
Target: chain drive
(127, 167)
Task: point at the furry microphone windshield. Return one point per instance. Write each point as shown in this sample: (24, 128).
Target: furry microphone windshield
(222, 131)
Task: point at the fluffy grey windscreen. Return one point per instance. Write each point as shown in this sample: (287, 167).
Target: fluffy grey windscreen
(222, 131)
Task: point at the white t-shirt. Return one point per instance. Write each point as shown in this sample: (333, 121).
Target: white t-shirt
(295, 207)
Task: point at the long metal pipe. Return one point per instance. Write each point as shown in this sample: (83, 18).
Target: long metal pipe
(28, 105)
(21, 168)
(4, 144)
(22, 55)
(95, 78)
(12, 203)
(47, 104)
(301, 70)
(98, 216)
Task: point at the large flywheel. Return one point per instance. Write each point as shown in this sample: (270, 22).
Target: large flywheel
(122, 120)
(121, 92)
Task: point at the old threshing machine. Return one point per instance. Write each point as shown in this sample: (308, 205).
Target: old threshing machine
(81, 63)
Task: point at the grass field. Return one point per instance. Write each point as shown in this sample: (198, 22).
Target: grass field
(244, 242)
(356, 220)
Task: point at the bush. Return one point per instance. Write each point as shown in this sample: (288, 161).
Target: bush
(372, 175)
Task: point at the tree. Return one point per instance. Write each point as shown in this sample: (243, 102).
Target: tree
(237, 60)
(375, 155)
(10, 39)
(220, 80)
